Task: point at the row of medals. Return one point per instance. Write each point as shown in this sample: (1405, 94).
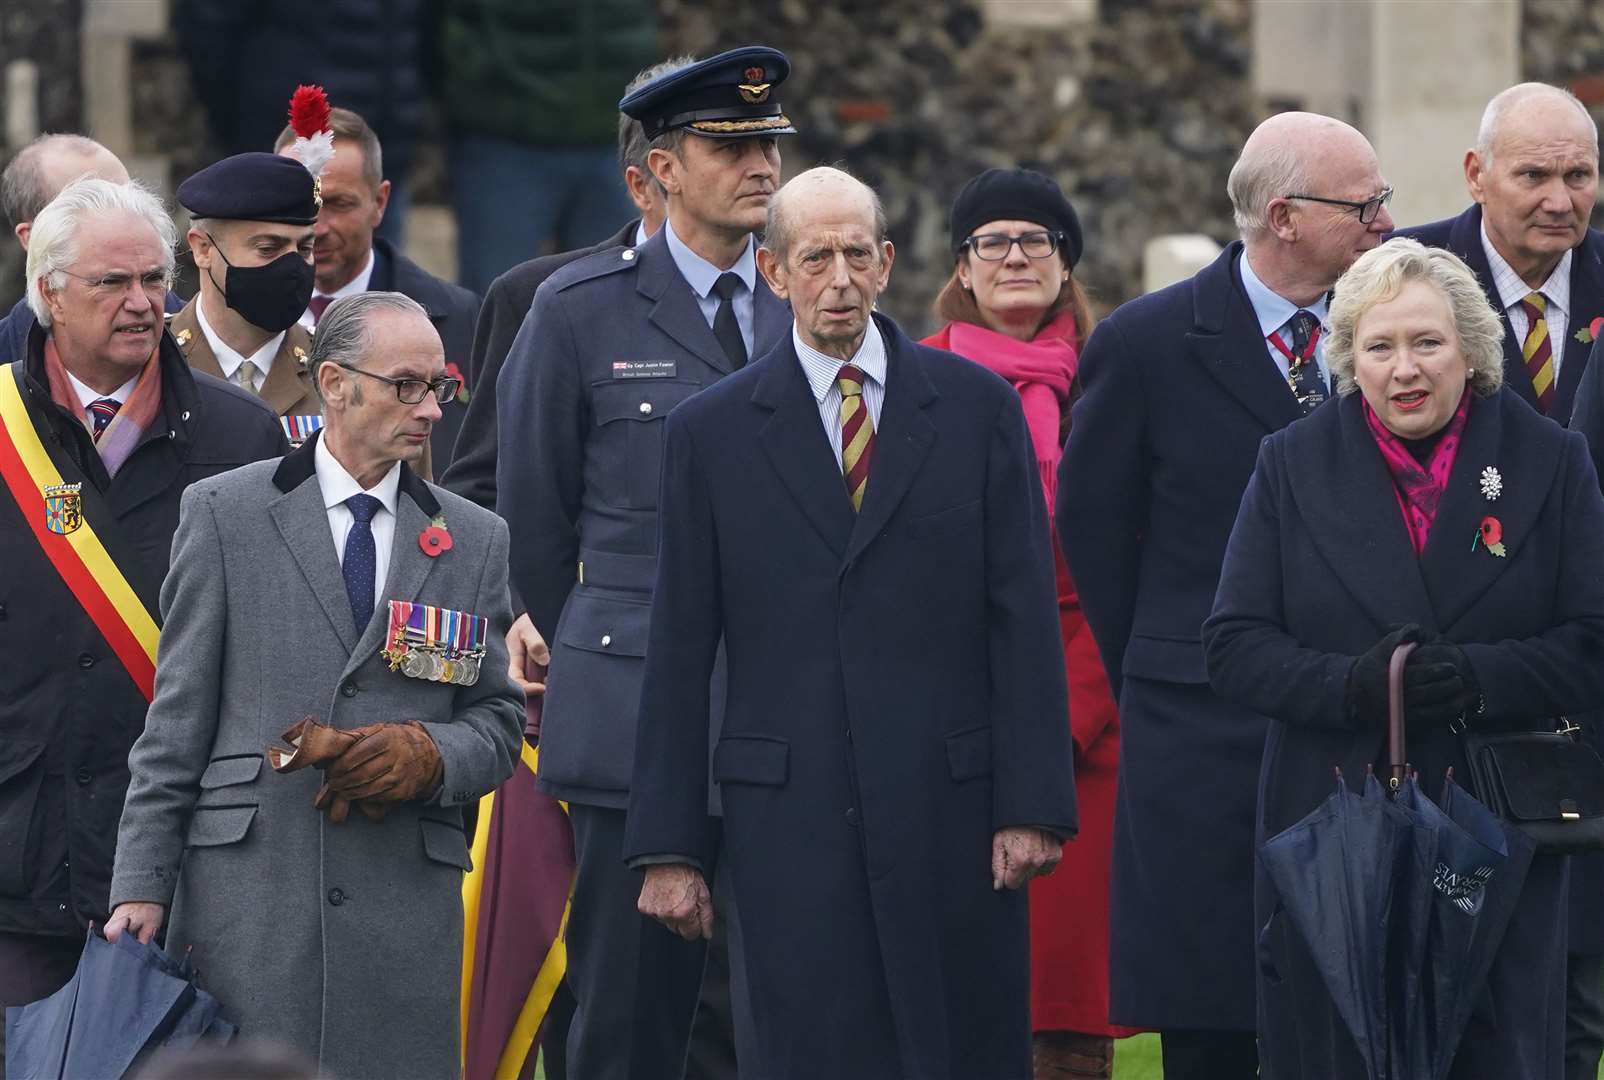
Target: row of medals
(441, 665)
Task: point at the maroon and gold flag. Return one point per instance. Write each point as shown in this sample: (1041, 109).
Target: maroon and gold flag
(515, 903)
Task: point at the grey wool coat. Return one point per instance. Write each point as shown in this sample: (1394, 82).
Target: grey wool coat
(344, 941)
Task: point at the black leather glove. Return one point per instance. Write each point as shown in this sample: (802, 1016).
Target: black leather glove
(1439, 685)
(1367, 680)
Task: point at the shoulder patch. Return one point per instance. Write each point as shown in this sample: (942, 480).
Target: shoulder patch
(597, 265)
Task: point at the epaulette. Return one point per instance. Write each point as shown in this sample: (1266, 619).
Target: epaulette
(590, 267)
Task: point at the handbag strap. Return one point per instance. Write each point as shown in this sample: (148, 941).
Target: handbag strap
(1397, 767)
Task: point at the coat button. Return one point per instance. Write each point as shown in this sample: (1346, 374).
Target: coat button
(646, 408)
(852, 815)
(607, 639)
(84, 776)
(336, 897)
(86, 661)
(349, 689)
(628, 255)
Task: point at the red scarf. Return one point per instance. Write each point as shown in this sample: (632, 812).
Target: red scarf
(1040, 369)
(1419, 488)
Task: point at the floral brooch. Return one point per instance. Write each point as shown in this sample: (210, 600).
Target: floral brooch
(435, 540)
(1490, 533)
(1591, 331)
(1492, 485)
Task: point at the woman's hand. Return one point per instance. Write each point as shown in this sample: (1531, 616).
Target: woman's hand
(1438, 683)
(1367, 682)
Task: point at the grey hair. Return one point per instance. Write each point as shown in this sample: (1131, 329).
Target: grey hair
(1381, 274)
(343, 336)
(1259, 175)
(633, 146)
(53, 244)
(777, 229)
(1502, 102)
(22, 185)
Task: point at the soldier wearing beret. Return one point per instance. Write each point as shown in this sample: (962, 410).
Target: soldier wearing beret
(613, 342)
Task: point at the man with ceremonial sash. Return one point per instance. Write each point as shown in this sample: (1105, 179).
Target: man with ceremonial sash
(102, 426)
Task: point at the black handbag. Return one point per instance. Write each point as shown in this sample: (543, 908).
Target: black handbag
(1545, 783)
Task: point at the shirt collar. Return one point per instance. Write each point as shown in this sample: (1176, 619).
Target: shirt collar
(821, 370)
(87, 395)
(358, 284)
(338, 485)
(701, 274)
(1272, 309)
(1512, 290)
(641, 235)
(227, 358)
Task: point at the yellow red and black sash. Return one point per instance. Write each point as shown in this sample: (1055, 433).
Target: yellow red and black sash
(53, 510)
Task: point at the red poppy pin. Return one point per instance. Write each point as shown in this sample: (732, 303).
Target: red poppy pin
(455, 372)
(1591, 331)
(1490, 534)
(435, 539)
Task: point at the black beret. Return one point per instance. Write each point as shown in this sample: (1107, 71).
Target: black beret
(728, 96)
(253, 187)
(1016, 195)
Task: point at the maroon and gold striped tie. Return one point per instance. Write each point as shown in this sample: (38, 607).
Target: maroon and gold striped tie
(857, 433)
(1539, 350)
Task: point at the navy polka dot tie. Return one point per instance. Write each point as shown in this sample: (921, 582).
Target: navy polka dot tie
(361, 561)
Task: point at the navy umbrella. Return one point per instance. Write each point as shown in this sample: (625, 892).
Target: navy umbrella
(124, 999)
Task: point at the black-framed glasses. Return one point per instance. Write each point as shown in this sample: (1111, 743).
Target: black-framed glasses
(1368, 209)
(117, 281)
(994, 247)
(413, 391)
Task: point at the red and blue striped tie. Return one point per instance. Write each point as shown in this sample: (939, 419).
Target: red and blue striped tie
(101, 413)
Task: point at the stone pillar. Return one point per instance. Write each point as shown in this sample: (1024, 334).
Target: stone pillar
(109, 29)
(1413, 75)
(1168, 259)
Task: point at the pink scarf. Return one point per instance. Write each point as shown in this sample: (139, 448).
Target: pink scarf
(1040, 369)
(122, 435)
(1419, 488)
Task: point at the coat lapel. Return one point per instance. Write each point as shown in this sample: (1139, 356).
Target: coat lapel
(409, 567)
(186, 331)
(1345, 495)
(797, 448)
(1587, 304)
(303, 522)
(674, 310)
(1458, 571)
(1225, 339)
(771, 319)
(1464, 240)
(289, 380)
(901, 443)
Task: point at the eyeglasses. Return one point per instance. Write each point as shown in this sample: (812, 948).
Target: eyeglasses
(1367, 209)
(412, 391)
(994, 247)
(115, 283)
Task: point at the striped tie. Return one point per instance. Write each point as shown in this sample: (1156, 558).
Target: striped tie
(857, 433)
(1538, 350)
(102, 411)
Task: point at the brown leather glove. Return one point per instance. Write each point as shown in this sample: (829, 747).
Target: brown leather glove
(314, 744)
(391, 763)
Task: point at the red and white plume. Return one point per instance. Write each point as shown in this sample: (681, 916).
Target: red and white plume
(309, 116)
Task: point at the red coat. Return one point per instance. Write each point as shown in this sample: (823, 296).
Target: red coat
(1069, 909)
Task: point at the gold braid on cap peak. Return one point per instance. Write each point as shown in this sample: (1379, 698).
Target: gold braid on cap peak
(766, 123)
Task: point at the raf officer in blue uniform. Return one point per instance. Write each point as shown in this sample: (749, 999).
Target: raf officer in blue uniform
(612, 343)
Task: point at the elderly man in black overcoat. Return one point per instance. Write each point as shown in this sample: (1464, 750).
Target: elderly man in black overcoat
(1180, 387)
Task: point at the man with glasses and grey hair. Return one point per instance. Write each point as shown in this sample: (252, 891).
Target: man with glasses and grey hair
(1180, 386)
(314, 866)
(102, 428)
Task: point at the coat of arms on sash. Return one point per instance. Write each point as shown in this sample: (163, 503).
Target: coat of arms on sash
(63, 507)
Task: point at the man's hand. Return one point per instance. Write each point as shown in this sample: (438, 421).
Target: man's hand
(526, 653)
(141, 919)
(676, 895)
(389, 763)
(1019, 853)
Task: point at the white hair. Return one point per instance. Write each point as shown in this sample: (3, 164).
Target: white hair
(1263, 173)
(1493, 116)
(53, 243)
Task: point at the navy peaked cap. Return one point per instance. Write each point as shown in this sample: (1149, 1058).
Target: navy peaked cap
(728, 96)
(253, 187)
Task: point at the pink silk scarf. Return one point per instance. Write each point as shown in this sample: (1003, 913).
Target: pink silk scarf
(122, 435)
(1419, 488)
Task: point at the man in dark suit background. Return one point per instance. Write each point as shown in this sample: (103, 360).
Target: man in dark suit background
(1533, 174)
(613, 342)
(507, 303)
(1180, 387)
(860, 517)
(350, 259)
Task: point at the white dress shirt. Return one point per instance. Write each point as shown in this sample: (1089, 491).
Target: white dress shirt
(1512, 290)
(1275, 312)
(358, 284)
(86, 395)
(701, 275)
(229, 360)
(821, 371)
(338, 485)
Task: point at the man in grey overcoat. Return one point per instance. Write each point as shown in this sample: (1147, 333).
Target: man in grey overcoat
(323, 907)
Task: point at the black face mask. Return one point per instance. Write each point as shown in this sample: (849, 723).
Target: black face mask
(271, 297)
